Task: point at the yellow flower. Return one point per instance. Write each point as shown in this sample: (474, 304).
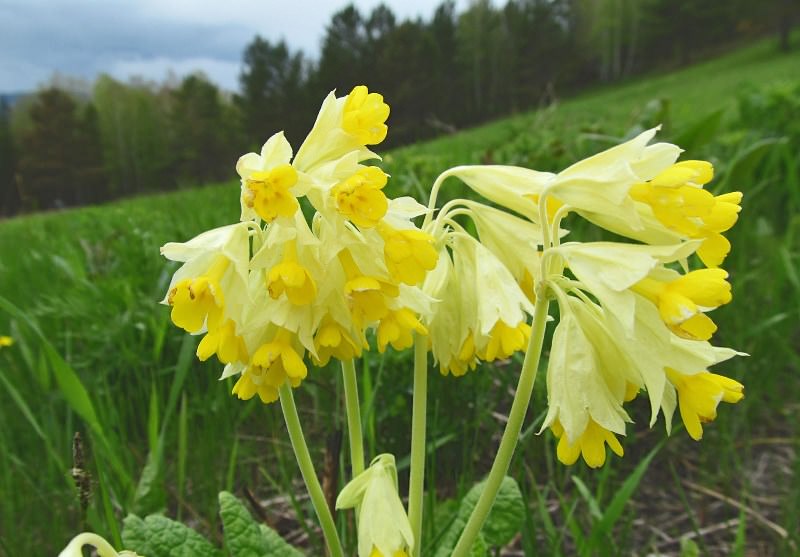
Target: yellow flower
(225, 343)
(6, 341)
(504, 340)
(682, 300)
(408, 254)
(396, 328)
(267, 179)
(267, 192)
(587, 377)
(383, 525)
(273, 364)
(359, 197)
(291, 278)
(365, 115)
(211, 286)
(591, 444)
(343, 128)
(334, 340)
(699, 395)
(678, 201)
(199, 301)
(465, 359)
(367, 296)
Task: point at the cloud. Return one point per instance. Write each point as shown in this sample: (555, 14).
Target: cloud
(223, 72)
(83, 38)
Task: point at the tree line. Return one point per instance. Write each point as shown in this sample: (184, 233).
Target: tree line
(66, 146)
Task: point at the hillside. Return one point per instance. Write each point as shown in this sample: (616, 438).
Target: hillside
(86, 282)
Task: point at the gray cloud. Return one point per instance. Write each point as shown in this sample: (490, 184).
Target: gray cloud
(83, 38)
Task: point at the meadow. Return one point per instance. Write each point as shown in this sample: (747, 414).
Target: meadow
(95, 354)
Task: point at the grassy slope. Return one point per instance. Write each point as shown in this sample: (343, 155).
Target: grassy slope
(90, 278)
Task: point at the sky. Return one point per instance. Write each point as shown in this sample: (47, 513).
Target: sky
(150, 38)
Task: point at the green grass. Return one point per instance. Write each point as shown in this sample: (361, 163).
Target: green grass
(95, 353)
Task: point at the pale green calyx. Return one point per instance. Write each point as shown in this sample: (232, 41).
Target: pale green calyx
(382, 520)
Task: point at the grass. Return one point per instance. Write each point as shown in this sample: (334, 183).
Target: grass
(96, 354)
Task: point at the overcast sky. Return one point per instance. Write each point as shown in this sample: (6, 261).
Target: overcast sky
(149, 38)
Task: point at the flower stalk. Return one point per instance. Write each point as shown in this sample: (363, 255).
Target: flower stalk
(306, 465)
(508, 443)
(354, 431)
(418, 421)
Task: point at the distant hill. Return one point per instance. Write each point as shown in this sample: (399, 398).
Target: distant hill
(12, 98)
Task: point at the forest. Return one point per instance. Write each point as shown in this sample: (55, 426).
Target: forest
(73, 143)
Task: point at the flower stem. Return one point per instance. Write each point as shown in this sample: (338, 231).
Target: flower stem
(354, 432)
(307, 470)
(511, 434)
(418, 417)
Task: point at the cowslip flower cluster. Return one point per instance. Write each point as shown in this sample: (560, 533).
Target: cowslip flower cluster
(633, 316)
(322, 260)
(269, 289)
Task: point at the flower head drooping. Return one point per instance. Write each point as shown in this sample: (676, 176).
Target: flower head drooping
(678, 200)
(336, 340)
(682, 300)
(291, 278)
(591, 444)
(409, 254)
(360, 199)
(273, 364)
(699, 395)
(383, 527)
(365, 115)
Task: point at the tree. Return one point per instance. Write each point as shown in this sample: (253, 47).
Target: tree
(203, 135)
(344, 50)
(9, 196)
(135, 140)
(274, 92)
(60, 161)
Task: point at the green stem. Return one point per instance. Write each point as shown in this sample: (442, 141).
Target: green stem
(354, 432)
(307, 470)
(508, 443)
(417, 476)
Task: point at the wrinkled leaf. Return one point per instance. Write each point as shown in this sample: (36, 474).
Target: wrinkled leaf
(503, 523)
(158, 536)
(244, 537)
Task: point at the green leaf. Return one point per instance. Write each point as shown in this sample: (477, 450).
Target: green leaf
(134, 535)
(480, 548)
(503, 523)
(158, 536)
(689, 548)
(244, 537)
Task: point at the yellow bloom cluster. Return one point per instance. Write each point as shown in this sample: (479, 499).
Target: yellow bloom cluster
(633, 316)
(274, 286)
